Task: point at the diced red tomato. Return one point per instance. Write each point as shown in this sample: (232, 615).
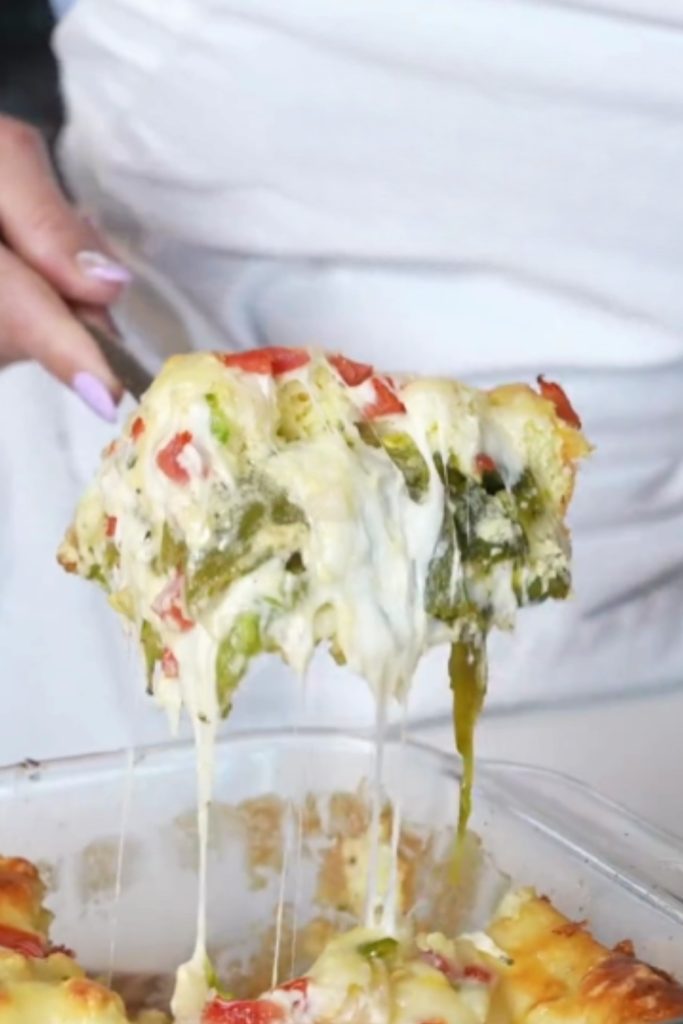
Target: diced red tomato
(440, 963)
(472, 972)
(21, 942)
(169, 604)
(175, 615)
(284, 360)
(351, 373)
(137, 428)
(485, 464)
(110, 526)
(386, 403)
(241, 1011)
(256, 361)
(475, 972)
(169, 664)
(273, 361)
(558, 396)
(167, 458)
(297, 985)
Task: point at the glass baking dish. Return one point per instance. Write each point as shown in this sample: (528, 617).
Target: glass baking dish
(115, 837)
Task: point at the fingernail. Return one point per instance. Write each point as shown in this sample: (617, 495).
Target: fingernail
(102, 268)
(95, 395)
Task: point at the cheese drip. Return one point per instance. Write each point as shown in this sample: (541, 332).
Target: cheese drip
(468, 678)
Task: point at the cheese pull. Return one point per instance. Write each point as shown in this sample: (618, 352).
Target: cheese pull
(280, 499)
(276, 500)
(367, 975)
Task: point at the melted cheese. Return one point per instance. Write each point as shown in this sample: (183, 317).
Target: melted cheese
(365, 543)
(363, 975)
(242, 512)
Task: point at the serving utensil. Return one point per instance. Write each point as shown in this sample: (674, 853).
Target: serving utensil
(125, 366)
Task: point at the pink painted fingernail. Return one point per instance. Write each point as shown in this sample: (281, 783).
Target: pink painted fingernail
(95, 395)
(102, 268)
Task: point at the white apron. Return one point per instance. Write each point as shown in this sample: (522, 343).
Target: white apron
(487, 188)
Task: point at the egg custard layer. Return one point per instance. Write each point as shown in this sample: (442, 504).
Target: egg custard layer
(276, 500)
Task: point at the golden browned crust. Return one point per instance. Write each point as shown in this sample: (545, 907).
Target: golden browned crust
(37, 982)
(90, 997)
(626, 990)
(554, 446)
(21, 897)
(560, 974)
(67, 556)
(59, 1001)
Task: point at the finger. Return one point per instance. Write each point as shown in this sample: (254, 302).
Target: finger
(38, 223)
(36, 324)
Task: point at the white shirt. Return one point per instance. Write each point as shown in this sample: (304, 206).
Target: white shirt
(485, 188)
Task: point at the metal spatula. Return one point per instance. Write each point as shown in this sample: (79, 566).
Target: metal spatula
(126, 367)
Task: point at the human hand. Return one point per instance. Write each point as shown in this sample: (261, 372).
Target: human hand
(51, 261)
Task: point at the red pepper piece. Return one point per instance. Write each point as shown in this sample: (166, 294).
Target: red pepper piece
(273, 361)
(241, 1011)
(386, 403)
(169, 664)
(351, 373)
(485, 464)
(22, 942)
(558, 396)
(167, 458)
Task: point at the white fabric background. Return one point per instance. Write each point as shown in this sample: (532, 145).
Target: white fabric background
(475, 187)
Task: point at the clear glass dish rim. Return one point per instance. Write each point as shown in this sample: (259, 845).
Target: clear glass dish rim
(449, 763)
(500, 775)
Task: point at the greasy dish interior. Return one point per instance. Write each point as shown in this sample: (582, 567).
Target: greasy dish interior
(529, 965)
